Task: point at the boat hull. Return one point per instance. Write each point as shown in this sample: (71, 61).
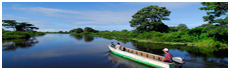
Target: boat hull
(140, 59)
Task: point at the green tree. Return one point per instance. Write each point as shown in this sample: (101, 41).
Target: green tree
(150, 19)
(114, 31)
(66, 32)
(19, 26)
(217, 12)
(60, 31)
(178, 28)
(88, 30)
(124, 30)
(173, 28)
(182, 27)
(9, 24)
(25, 26)
(70, 31)
(78, 30)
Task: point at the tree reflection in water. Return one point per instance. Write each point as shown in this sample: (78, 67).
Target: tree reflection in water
(88, 38)
(78, 37)
(10, 45)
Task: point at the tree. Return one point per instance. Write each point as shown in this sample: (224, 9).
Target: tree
(19, 26)
(114, 31)
(182, 27)
(173, 28)
(217, 12)
(9, 24)
(150, 19)
(178, 28)
(66, 32)
(88, 30)
(70, 31)
(60, 31)
(78, 30)
(25, 26)
(124, 30)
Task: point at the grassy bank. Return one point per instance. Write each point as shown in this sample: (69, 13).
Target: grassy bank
(7, 35)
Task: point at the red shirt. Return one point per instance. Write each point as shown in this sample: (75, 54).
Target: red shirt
(168, 56)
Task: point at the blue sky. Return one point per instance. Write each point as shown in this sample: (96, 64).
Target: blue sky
(56, 16)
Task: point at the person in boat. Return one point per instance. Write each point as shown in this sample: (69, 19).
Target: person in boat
(118, 46)
(168, 56)
(112, 45)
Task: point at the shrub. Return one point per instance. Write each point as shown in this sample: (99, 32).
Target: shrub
(14, 35)
(209, 42)
(19, 34)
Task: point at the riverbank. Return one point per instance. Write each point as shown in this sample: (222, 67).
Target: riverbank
(8, 35)
(135, 39)
(173, 38)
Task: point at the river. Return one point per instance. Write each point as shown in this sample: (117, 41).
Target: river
(74, 51)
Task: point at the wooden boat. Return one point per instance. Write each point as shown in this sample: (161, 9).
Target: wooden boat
(142, 57)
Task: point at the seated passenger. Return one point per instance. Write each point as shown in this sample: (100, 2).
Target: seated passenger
(118, 46)
(112, 45)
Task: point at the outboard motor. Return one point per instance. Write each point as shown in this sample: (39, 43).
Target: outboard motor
(178, 61)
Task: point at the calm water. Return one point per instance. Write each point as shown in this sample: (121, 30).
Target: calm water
(68, 51)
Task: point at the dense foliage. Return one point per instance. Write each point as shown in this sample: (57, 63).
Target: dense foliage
(177, 28)
(207, 35)
(88, 30)
(81, 31)
(77, 30)
(150, 19)
(217, 12)
(6, 35)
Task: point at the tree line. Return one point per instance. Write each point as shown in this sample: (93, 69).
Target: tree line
(86, 30)
(149, 26)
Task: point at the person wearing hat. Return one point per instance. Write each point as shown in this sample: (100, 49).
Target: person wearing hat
(168, 56)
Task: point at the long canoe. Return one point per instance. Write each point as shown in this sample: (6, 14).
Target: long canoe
(142, 57)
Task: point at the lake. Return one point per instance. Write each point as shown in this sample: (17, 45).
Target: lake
(75, 51)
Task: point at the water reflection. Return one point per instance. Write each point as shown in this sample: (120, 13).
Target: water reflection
(78, 37)
(9, 45)
(87, 38)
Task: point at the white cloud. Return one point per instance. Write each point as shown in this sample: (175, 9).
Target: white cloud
(11, 17)
(175, 5)
(81, 17)
(45, 11)
(61, 19)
